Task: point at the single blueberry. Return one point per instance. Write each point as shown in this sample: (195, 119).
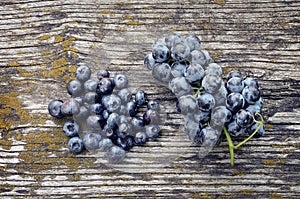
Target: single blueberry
(70, 107)
(140, 138)
(152, 131)
(83, 72)
(151, 117)
(244, 118)
(92, 98)
(205, 101)
(115, 154)
(153, 105)
(71, 128)
(74, 88)
(234, 73)
(125, 95)
(235, 102)
(131, 108)
(83, 114)
(75, 145)
(91, 141)
(93, 121)
(105, 86)
(111, 102)
(102, 74)
(120, 81)
(137, 123)
(149, 61)
(105, 144)
(90, 85)
(126, 142)
(96, 109)
(251, 94)
(54, 109)
(140, 97)
(235, 85)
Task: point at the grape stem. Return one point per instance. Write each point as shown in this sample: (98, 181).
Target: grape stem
(197, 90)
(230, 143)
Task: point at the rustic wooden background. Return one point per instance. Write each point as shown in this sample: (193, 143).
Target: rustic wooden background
(40, 44)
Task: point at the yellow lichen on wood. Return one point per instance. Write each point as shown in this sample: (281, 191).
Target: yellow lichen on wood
(44, 37)
(135, 23)
(58, 39)
(24, 73)
(105, 12)
(13, 64)
(219, 2)
(207, 26)
(276, 196)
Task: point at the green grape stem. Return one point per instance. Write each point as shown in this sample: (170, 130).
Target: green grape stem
(230, 143)
(198, 90)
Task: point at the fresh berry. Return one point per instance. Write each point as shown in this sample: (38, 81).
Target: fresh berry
(115, 154)
(120, 81)
(234, 73)
(90, 85)
(105, 144)
(75, 145)
(220, 116)
(193, 73)
(83, 73)
(244, 118)
(235, 85)
(91, 141)
(111, 102)
(251, 94)
(188, 104)
(140, 138)
(160, 53)
(162, 72)
(180, 51)
(71, 128)
(125, 95)
(105, 86)
(126, 143)
(140, 97)
(75, 88)
(151, 117)
(54, 108)
(180, 86)
(102, 74)
(235, 101)
(205, 101)
(192, 41)
(153, 105)
(149, 61)
(152, 131)
(70, 107)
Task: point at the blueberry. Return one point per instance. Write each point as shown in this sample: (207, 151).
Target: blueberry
(115, 154)
(151, 117)
(172, 39)
(91, 98)
(102, 74)
(180, 86)
(194, 73)
(244, 118)
(214, 69)
(153, 105)
(112, 120)
(74, 88)
(192, 41)
(162, 72)
(149, 61)
(251, 94)
(105, 114)
(234, 73)
(253, 128)
(152, 131)
(131, 108)
(71, 128)
(234, 129)
(235, 101)
(205, 101)
(120, 81)
(90, 85)
(83, 73)
(197, 57)
(126, 143)
(83, 114)
(140, 97)
(105, 86)
(140, 138)
(70, 107)
(204, 116)
(249, 81)
(188, 104)
(75, 145)
(220, 116)
(211, 83)
(124, 128)
(91, 141)
(235, 85)
(160, 53)
(125, 95)
(180, 51)
(96, 109)
(105, 144)
(221, 95)
(123, 119)
(93, 121)
(137, 123)
(110, 133)
(111, 102)
(178, 68)
(211, 136)
(54, 109)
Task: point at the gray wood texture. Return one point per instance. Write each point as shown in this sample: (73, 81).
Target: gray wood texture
(42, 41)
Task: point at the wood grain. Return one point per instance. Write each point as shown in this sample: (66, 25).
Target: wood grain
(42, 41)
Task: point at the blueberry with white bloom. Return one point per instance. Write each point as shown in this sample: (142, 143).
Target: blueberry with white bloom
(153, 105)
(220, 116)
(91, 98)
(112, 102)
(105, 144)
(152, 131)
(244, 118)
(70, 107)
(93, 121)
(194, 73)
(102, 74)
(160, 53)
(251, 94)
(214, 69)
(125, 95)
(235, 102)
(234, 129)
(192, 41)
(235, 85)
(180, 51)
(54, 109)
(71, 128)
(211, 83)
(205, 101)
(131, 108)
(234, 73)
(172, 39)
(83, 73)
(75, 145)
(178, 69)
(91, 141)
(120, 81)
(140, 97)
(125, 142)
(140, 138)
(149, 61)
(90, 85)
(75, 88)
(83, 114)
(115, 154)
(180, 86)
(250, 81)
(105, 86)
(96, 109)
(162, 72)
(188, 104)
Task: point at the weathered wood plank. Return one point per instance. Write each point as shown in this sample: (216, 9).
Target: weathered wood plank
(42, 41)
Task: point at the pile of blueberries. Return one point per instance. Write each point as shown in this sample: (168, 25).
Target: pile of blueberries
(107, 116)
(211, 105)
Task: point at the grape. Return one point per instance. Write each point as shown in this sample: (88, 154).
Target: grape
(180, 86)
(235, 101)
(205, 101)
(211, 83)
(162, 72)
(235, 85)
(180, 51)
(220, 116)
(214, 69)
(188, 104)
(193, 73)
(192, 41)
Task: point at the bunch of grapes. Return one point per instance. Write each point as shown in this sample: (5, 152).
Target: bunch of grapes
(211, 107)
(107, 116)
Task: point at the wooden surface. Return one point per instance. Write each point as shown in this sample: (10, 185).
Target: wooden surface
(40, 44)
